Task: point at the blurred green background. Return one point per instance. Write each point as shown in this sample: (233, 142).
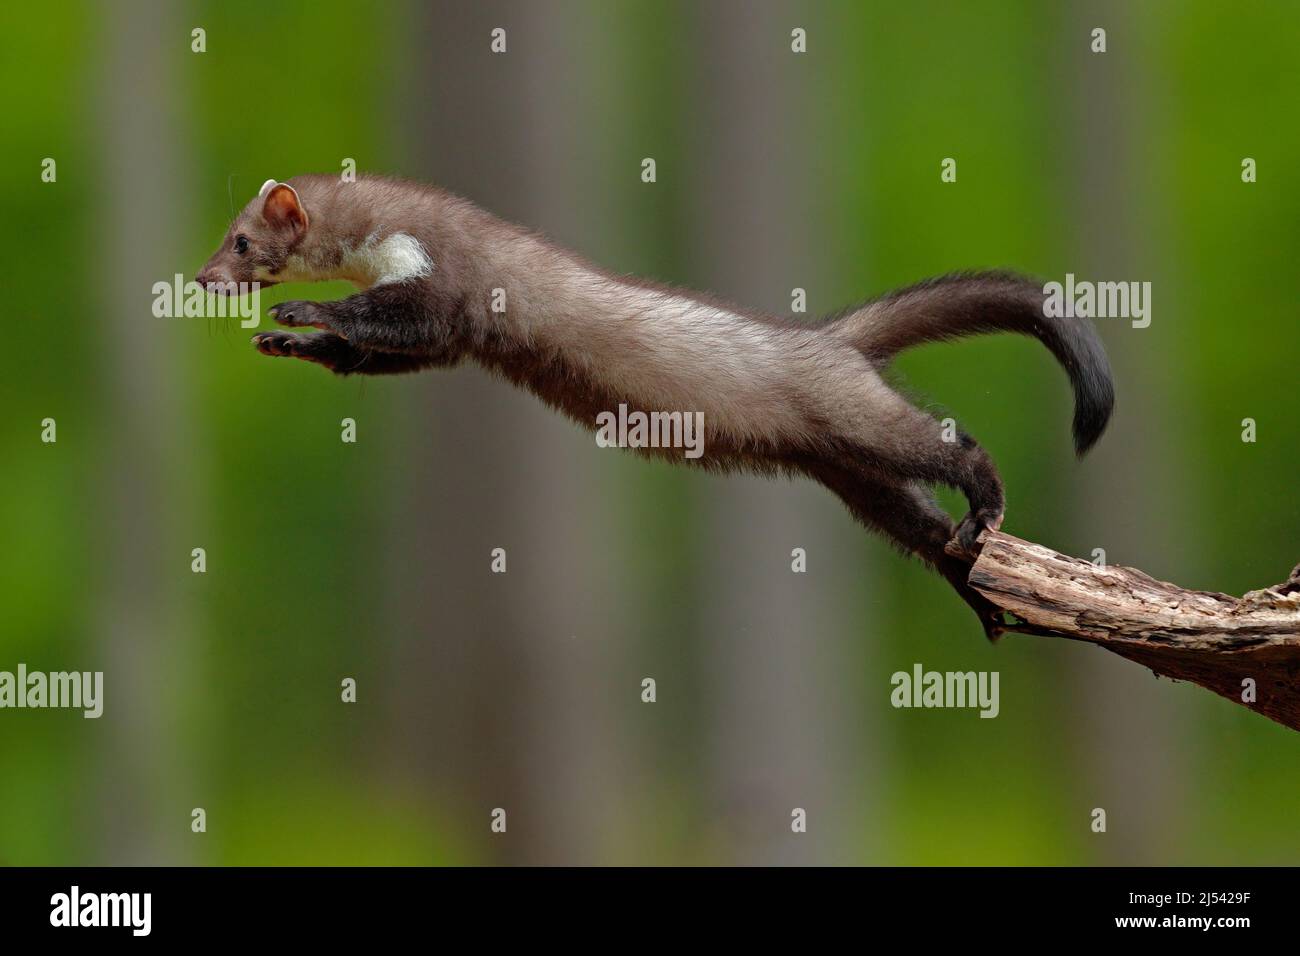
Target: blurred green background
(328, 560)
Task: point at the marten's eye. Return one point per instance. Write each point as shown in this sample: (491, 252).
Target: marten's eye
(241, 244)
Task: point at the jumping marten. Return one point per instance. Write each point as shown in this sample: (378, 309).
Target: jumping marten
(443, 280)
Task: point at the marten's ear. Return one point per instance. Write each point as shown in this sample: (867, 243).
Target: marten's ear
(266, 188)
(282, 208)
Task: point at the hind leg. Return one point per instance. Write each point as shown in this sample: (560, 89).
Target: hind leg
(900, 441)
(913, 520)
(987, 501)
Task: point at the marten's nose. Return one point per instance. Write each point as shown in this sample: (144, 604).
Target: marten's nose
(201, 278)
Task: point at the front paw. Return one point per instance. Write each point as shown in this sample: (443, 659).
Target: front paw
(278, 343)
(299, 314)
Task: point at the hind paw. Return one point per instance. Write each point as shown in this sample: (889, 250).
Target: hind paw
(972, 526)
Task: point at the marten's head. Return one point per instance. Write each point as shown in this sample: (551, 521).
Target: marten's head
(257, 247)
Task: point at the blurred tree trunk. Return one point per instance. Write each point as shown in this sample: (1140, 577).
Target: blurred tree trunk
(784, 649)
(503, 681)
(145, 626)
(1136, 777)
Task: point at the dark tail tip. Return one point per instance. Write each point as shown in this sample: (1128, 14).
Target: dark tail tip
(1094, 392)
(1077, 346)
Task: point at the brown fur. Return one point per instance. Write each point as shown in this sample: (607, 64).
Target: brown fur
(775, 396)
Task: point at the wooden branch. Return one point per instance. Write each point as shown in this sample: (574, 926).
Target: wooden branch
(1214, 640)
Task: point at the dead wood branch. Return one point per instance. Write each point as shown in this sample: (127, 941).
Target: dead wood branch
(1210, 639)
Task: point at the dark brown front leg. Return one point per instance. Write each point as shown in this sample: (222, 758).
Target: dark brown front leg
(398, 317)
(336, 354)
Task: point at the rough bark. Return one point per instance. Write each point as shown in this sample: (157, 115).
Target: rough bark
(1211, 639)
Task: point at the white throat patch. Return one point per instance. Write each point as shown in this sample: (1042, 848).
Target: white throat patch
(396, 259)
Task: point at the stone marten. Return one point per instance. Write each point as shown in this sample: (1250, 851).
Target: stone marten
(441, 281)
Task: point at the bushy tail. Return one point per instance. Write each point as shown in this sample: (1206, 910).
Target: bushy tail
(972, 303)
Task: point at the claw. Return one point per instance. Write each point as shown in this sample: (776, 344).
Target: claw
(299, 314)
(966, 537)
(276, 343)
